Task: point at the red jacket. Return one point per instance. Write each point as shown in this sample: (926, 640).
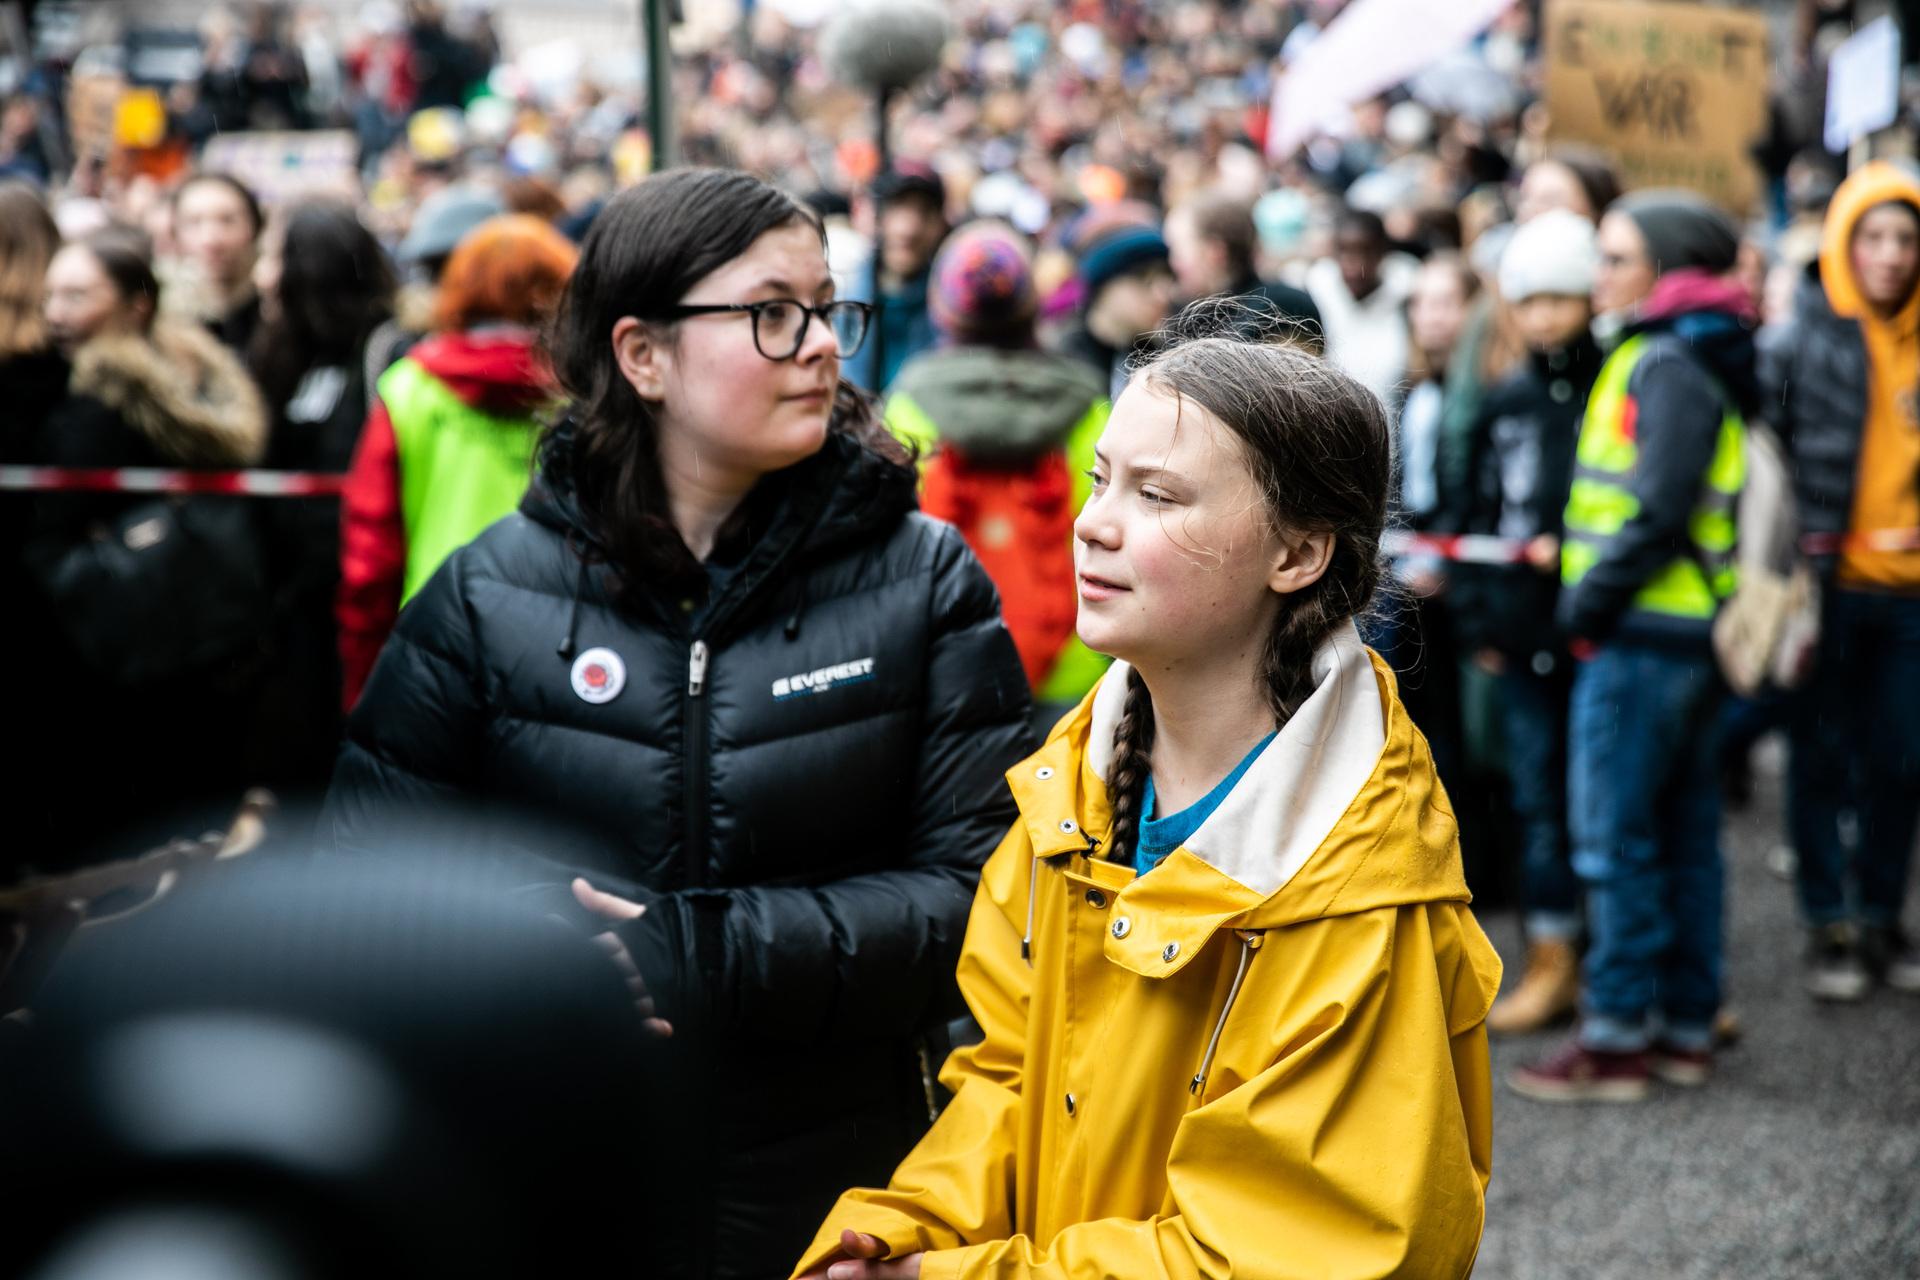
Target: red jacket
(494, 371)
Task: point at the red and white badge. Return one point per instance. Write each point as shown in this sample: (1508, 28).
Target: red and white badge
(599, 675)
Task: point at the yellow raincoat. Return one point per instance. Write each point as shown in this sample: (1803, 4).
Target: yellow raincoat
(1265, 1059)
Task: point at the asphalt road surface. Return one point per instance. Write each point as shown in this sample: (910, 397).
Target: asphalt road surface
(1801, 1159)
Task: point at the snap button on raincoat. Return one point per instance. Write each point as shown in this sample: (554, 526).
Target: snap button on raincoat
(1277, 1068)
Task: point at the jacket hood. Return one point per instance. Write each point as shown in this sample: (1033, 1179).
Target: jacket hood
(497, 370)
(181, 389)
(1341, 813)
(1875, 184)
(1000, 405)
(1716, 319)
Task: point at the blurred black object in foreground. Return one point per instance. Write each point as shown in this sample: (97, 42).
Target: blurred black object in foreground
(328, 1068)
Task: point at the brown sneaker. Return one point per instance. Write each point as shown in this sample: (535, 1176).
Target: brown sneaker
(1575, 1073)
(1549, 990)
(1689, 1068)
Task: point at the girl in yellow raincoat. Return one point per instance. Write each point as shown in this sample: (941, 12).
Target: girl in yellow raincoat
(1231, 990)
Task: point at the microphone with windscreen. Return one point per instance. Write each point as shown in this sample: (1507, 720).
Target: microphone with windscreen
(344, 1066)
(884, 44)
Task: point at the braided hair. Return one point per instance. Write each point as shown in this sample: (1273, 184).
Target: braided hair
(1321, 454)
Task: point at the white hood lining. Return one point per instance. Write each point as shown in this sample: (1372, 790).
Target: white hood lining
(1288, 802)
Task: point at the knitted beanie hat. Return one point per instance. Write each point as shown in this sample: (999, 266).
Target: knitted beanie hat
(1119, 254)
(982, 287)
(1683, 230)
(1555, 252)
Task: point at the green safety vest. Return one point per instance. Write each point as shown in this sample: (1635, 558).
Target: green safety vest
(461, 468)
(1601, 503)
(1077, 668)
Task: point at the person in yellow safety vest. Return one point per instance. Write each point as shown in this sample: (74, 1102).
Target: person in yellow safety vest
(1646, 561)
(1232, 993)
(1005, 435)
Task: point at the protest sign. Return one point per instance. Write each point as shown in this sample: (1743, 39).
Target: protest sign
(93, 104)
(1863, 84)
(1675, 93)
(281, 166)
(1372, 45)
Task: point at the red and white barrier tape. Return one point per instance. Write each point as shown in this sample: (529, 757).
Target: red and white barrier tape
(252, 484)
(1461, 548)
(1475, 548)
(1826, 544)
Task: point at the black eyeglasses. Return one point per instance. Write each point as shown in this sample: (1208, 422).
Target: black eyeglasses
(780, 324)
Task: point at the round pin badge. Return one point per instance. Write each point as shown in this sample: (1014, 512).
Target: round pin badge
(599, 675)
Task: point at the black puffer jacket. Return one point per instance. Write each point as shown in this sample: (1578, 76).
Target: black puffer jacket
(124, 757)
(1520, 465)
(1813, 380)
(802, 782)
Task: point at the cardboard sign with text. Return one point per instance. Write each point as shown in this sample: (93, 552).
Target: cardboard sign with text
(1676, 93)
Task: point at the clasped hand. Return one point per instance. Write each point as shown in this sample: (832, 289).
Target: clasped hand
(864, 1257)
(610, 907)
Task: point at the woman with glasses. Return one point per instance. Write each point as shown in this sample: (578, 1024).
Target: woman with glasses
(773, 702)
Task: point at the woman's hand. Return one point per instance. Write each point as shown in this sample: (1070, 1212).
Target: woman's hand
(613, 908)
(866, 1259)
(1543, 553)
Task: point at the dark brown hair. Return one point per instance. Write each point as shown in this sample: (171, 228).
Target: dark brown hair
(649, 246)
(1592, 169)
(336, 287)
(1320, 451)
(214, 177)
(1229, 221)
(126, 256)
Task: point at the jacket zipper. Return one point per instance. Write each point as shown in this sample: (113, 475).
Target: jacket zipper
(696, 766)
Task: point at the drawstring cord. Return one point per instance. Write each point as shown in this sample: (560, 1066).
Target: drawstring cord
(1250, 940)
(792, 629)
(1033, 885)
(565, 647)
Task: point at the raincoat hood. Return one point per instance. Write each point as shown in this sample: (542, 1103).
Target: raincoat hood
(498, 371)
(1873, 185)
(1339, 814)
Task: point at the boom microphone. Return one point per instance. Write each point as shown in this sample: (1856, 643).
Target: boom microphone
(884, 44)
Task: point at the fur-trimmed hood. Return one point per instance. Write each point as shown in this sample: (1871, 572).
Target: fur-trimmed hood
(181, 389)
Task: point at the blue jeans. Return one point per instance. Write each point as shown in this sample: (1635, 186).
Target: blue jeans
(1534, 708)
(1856, 746)
(1644, 809)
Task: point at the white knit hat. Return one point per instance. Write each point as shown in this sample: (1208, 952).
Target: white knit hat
(1553, 253)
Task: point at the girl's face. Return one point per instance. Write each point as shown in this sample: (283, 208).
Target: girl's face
(1437, 310)
(1549, 321)
(82, 301)
(1549, 185)
(214, 228)
(725, 408)
(1626, 272)
(1177, 560)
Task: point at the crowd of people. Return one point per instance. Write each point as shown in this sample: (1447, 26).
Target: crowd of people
(597, 504)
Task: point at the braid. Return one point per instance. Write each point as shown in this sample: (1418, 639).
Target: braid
(1310, 617)
(1126, 782)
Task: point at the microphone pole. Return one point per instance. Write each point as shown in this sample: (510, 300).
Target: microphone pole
(882, 46)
